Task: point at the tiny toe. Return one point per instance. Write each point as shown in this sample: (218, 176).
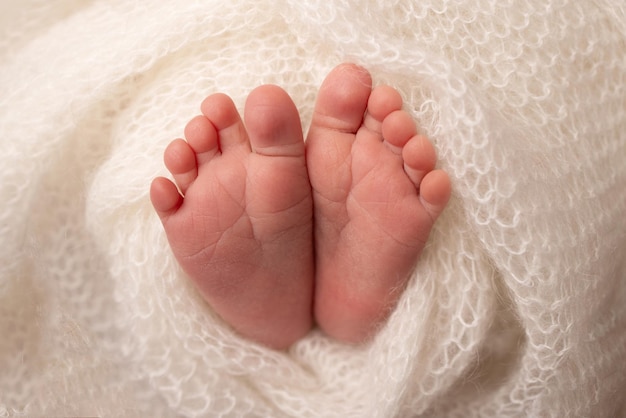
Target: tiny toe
(202, 137)
(342, 100)
(220, 110)
(165, 197)
(419, 158)
(397, 128)
(180, 160)
(435, 191)
(273, 123)
(383, 101)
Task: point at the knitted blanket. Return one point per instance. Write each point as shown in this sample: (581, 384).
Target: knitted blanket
(517, 306)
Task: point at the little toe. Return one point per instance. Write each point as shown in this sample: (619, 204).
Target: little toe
(180, 160)
(342, 100)
(165, 197)
(202, 138)
(419, 158)
(435, 191)
(397, 128)
(273, 123)
(220, 110)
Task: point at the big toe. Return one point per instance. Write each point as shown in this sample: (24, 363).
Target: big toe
(342, 99)
(273, 123)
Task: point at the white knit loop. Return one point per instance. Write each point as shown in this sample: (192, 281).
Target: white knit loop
(517, 306)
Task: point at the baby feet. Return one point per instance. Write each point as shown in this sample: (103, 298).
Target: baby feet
(242, 228)
(376, 198)
(247, 219)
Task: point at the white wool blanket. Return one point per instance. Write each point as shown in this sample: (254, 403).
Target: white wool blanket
(517, 306)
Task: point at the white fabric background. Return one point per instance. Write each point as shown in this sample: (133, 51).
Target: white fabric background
(517, 307)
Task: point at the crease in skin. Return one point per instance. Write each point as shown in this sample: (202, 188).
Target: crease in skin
(268, 151)
(374, 222)
(330, 127)
(279, 211)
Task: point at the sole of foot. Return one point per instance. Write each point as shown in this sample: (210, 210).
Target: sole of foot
(376, 197)
(238, 215)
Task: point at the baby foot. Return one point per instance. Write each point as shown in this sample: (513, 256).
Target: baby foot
(241, 225)
(376, 197)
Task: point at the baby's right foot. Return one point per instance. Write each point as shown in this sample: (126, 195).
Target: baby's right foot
(242, 228)
(376, 197)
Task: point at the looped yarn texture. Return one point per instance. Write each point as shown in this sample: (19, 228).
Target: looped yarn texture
(516, 308)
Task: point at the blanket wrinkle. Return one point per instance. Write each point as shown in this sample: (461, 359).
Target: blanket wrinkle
(517, 306)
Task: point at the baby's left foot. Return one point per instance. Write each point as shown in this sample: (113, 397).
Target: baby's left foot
(376, 197)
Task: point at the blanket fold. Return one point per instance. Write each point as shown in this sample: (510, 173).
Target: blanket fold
(517, 306)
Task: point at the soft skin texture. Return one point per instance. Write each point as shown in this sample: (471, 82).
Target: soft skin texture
(258, 237)
(243, 230)
(376, 197)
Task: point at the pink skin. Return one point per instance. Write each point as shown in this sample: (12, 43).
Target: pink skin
(243, 215)
(376, 197)
(243, 230)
